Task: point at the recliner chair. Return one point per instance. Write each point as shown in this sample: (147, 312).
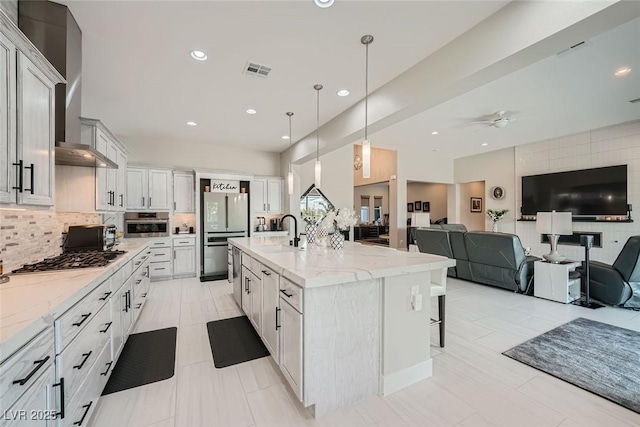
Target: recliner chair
(618, 284)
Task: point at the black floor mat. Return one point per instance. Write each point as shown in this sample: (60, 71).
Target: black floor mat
(147, 357)
(234, 341)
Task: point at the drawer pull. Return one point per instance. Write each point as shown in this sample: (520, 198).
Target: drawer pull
(185, 242)
(104, 374)
(86, 357)
(106, 295)
(138, 282)
(39, 364)
(104, 331)
(86, 411)
(84, 318)
(158, 268)
(61, 385)
(265, 272)
(159, 254)
(139, 262)
(144, 295)
(277, 318)
(285, 293)
(138, 306)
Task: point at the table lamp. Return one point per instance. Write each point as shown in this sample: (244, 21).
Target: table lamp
(554, 224)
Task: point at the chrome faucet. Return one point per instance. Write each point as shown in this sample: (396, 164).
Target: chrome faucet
(296, 239)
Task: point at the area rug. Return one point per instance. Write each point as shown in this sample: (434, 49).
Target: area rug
(146, 358)
(234, 341)
(597, 357)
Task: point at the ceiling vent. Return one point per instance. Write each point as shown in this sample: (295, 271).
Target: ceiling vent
(573, 48)
(255, 69)
(635, 101)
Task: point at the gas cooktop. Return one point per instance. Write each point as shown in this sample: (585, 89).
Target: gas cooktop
(70, 260)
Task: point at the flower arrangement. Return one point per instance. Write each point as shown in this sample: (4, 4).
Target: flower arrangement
(341, 219)
(497, 215)
(313, 216)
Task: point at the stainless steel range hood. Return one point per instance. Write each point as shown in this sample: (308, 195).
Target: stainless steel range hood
(53, 30)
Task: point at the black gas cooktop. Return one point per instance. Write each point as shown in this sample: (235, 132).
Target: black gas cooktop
(66, 261)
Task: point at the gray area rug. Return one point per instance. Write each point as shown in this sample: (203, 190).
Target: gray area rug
(597, 357)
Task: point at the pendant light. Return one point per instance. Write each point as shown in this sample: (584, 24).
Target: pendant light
(366, 144)
(290, 174)
(318, 168)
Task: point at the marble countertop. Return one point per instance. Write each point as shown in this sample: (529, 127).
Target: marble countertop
(30, 302)
(323, 266)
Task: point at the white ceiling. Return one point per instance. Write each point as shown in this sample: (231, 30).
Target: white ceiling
(560, 95)
(139, 80)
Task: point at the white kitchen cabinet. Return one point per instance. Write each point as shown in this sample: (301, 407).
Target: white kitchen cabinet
(291, 345)
(161, 257)
(149, 189)
(184, 261)
(121, 185)
(255, 289)
(246, 293)
(7, 120)
(266, 195)
(36, 407)
(270, 312)
(183, 192)
(121, 318)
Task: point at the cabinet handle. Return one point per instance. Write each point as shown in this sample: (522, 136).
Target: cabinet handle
(86, 411)
(31, 174)
(264, 207)
(268, 206)
(104, 331)
(285, 293)
(266, 273)
(86, 357)
(61, 385)
(84, 318)
(174, 254)
(246, 284)
(106, 295)
(108, 367)
(39, 364)
(249, 286)
(138, 306)
(277, 318)
(109, 198)
(174, 206)
(144, 295)
(125, 302)
(113, 198)
(158, 254)
(159, 268)
(19, 176)
(122, 200)
(143, 201)
(138, 282)
(149, 201)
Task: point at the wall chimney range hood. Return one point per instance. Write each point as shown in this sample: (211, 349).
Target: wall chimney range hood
(53, 30)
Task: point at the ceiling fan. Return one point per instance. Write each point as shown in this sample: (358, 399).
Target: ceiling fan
(499, 119)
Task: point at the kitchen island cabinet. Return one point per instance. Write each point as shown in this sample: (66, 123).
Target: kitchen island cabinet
(344, 323)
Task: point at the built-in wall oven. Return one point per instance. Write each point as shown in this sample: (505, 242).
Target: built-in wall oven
(146, 224)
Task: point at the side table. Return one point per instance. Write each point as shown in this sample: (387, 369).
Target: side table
(552, 282)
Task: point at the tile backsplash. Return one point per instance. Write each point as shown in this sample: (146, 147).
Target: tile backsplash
(28, 236)
(179, 220)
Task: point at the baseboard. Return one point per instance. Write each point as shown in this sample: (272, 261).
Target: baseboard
(399, 380)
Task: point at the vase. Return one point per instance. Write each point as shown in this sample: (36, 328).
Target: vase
(337, 240)
(321, 236)
(310, 230)
(495, 227)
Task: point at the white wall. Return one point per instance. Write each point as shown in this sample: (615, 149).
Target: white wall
(435, 194)
(205, 156)
(495, 168)
(615, 145)
(372, 190)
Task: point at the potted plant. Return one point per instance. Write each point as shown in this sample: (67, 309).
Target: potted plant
(496, 215)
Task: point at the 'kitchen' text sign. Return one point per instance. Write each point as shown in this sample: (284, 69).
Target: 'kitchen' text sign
(222, 186)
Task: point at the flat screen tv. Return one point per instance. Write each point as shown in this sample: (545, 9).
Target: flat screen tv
(587, 192)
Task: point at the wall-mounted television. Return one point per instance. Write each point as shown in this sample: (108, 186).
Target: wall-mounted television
(587, 192)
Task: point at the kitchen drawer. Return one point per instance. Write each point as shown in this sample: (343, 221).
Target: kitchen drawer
(25, 366)
(85, 399)
(184, 241)
(160, 255)
(160, 243)
(160, 269)
(36, 407)
(291, 293)
(246, 260)
(77, 317)
(139, 259)
(77, 359)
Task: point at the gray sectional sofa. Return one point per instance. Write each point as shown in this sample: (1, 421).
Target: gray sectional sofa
(495, 259)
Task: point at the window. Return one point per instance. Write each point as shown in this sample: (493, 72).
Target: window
(377, 208)
(364, 208)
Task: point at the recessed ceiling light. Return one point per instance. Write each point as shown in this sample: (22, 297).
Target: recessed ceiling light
(622, 71)
(435, 132)
(484, 144)
(435, 149)
(285, 136)
(192, 124)
(251, 111)
(343, 92)
(324, 3)
(198, 55)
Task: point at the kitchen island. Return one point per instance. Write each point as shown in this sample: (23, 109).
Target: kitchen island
(342, 325)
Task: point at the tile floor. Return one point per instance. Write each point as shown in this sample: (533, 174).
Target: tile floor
(473, 383)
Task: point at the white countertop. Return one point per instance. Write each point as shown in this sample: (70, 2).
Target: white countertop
(30, 302)
(323, 266)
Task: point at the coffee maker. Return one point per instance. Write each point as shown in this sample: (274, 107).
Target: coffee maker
(262, 224)
(276, 224)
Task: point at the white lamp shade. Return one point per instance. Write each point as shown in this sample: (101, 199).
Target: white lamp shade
(318, 174)
(366, 158)
(420, 220)
(558, 223)
(290, 182)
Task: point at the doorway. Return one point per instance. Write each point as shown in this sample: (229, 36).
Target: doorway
(371, 203)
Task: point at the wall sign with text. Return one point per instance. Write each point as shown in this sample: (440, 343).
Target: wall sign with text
(223, 186)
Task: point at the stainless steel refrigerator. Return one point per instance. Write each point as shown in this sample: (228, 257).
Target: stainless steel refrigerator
(225, 215)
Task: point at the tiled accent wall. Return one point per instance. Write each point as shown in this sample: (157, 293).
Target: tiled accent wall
(30, 236)
(177, 220)
(616, 145)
